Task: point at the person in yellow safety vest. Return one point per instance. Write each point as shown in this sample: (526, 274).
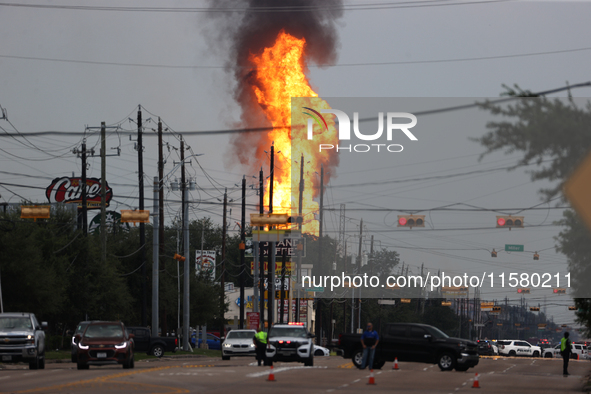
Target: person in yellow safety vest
(260, 341)
(565, 351)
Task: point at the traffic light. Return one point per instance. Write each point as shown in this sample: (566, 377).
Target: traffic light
(534, 308)
(35, 212)
(559, 291)
(572, 308)
(493, 253)
(536, 256)
(523, 291)
(135, 216)
(509, 221)
(411, 221)
(496, 309)
(298, 219)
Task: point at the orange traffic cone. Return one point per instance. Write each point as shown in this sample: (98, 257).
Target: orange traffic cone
(476, 385)
(271, 377)
(371, 378)
(395, 366)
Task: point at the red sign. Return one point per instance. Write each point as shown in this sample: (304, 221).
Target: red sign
(69, 190)
(253, 320)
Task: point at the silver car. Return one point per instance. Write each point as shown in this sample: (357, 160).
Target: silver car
(238, 343)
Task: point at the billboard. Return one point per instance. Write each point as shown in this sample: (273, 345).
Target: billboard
(69, 190)
(207, 264)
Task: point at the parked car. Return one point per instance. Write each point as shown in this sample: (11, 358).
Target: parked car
(22, 339)
(213, 342)
(238, 343)
(414, 342)
(103, 343)
(514, 348)
(74, 345)
(156, 346)
(486, 348)
(290, 342)
(320, 351)
(578, 350)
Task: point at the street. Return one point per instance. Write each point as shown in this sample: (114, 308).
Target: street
(329, 374)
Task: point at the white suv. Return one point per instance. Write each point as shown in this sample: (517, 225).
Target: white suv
(579, 350)
(518, 348)
(290, 342)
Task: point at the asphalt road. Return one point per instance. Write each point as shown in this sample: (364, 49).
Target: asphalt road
(329, 375)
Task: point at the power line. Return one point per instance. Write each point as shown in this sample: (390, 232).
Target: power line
(388, 63)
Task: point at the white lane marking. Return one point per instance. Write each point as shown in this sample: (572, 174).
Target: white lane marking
(379, 372)
(424, 369)
(329, 390)
(282, 369)
(491, 372)
(29, 373)
(356, 380)
(4, 377)
(345, 385)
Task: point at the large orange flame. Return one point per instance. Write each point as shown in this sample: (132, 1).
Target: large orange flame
(280, 76)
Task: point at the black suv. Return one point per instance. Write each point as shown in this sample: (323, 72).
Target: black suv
(414, 342)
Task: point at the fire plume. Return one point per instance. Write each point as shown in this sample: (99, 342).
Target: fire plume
(278, 76)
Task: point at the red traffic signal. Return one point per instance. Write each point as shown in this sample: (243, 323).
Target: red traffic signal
(493, 253)
(411, 221)
(559, 291)
(509, 221)
(523, 291)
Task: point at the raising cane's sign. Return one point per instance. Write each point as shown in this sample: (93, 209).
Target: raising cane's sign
(69, 190)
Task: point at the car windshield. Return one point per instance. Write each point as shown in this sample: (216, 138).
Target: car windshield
(437, 333)
(15, 323)
(103, 331)
(241, 334)
(80, 328)
(297, 332)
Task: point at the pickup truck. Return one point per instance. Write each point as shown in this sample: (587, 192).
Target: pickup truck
(22, 339)
(155, 346)
(414, 342)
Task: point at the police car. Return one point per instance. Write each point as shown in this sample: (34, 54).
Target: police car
(290, 342)
(518, 348)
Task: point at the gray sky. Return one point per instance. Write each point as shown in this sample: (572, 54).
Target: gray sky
(65, 69)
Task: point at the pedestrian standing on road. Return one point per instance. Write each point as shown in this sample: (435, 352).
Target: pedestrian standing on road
(565, 352)
(260, 341)
(369, 341)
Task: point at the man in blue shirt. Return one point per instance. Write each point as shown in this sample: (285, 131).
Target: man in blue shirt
(369, 341)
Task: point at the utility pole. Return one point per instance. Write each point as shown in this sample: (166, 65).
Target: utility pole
(358, 299)
(299, 250)
(155, 261)
(321, 271)
(140, 153)
(186, 282)
(103, 193)
(161, 194)
(223, 283)
(83, 191)
(261, 253)
(271, 264)
(242, 251)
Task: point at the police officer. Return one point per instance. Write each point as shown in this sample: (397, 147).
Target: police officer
(260, 341)
(565, 352)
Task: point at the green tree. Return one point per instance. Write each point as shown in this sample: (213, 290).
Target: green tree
(554, 135)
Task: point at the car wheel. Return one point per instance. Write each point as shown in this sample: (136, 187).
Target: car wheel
(319, 353)
(157, 351)
(74, 358)
(41, 364)
(309, 362)
(512, 353)
(82, 365)
(446, 362)
(34, 364)
(378, 364)
(357, 358)
(536, 354)
(225, 358)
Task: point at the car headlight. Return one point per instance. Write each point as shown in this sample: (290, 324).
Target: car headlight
(252, 345)
(122, 345)
(83, 347)
(227, 345)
